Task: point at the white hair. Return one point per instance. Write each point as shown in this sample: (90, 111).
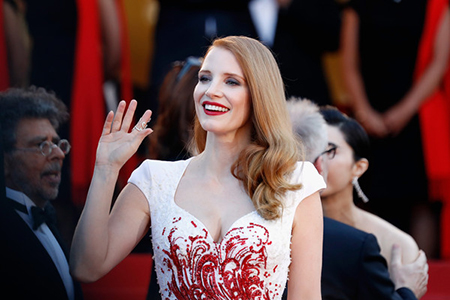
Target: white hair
(309, 125)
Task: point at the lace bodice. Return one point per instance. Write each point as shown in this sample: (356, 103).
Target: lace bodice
(250, 262)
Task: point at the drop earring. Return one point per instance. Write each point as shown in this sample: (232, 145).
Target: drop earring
(359, 190)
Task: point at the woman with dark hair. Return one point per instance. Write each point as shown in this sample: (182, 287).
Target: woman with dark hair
(350, 161)
(176, 111)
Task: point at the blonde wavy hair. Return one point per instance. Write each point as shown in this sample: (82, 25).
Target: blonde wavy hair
(266, 164)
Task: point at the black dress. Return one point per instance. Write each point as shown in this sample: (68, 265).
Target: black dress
(52, 25)
(305, 31)
(389, 36)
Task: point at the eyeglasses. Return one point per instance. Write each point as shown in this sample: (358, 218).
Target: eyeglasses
(191, 61)
(331, 152)
(46, 147)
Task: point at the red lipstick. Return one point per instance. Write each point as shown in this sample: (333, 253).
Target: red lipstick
(214, 108)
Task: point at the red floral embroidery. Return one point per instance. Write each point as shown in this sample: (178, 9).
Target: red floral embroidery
(231, 269)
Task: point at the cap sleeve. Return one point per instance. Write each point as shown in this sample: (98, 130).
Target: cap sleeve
(142, 178)
(306, 174)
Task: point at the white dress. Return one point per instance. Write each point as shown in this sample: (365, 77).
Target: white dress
(250, 262)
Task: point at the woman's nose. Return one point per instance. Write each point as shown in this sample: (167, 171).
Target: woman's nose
(214, 90)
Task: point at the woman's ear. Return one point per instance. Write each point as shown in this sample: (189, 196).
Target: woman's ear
(360, 167)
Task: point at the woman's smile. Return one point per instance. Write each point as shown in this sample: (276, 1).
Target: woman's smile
(214, 108)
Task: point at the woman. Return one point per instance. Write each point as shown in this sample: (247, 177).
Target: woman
(351, 145)
(173, 127)
(229, 222)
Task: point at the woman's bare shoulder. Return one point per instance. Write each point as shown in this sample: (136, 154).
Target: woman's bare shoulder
(388, 234)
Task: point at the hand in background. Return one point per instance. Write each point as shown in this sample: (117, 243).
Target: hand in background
(413, 276)
(398, 116)
(372, 121)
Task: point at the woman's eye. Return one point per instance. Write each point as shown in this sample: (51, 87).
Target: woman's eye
(232, 82)
(203, 78)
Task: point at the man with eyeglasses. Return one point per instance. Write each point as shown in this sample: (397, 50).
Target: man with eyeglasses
(352, 266)
(34, 258)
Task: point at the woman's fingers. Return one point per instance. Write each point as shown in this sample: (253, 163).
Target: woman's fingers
(142, 123)
(108, 121)
(121, 120)
(129, 116)
(117, 123)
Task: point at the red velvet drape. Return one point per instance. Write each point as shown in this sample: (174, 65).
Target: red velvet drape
(88, 107)
(435, 122)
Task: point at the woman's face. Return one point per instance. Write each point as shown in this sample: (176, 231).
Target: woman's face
(222, 99)
(341, 167)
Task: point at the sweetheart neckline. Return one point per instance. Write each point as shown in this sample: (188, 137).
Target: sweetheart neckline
(194, 218)
(208, 233)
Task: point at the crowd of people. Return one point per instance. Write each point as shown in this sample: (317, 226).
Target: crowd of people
(224, 171)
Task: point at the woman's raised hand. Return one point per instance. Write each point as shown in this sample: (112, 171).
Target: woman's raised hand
(116, 143)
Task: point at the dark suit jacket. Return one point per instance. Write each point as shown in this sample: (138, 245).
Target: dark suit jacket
(26, 269)
(353, 267)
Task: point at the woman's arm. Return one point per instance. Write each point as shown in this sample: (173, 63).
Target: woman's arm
(370, 119)
(399, 115)
(410, 248)
(102, 239)
(306, 250)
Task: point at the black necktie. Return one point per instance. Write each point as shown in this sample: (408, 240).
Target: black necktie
(47, 215)
(40, 216)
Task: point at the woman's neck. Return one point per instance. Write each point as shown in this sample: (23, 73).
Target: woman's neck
(219, 155)
(340, 207)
